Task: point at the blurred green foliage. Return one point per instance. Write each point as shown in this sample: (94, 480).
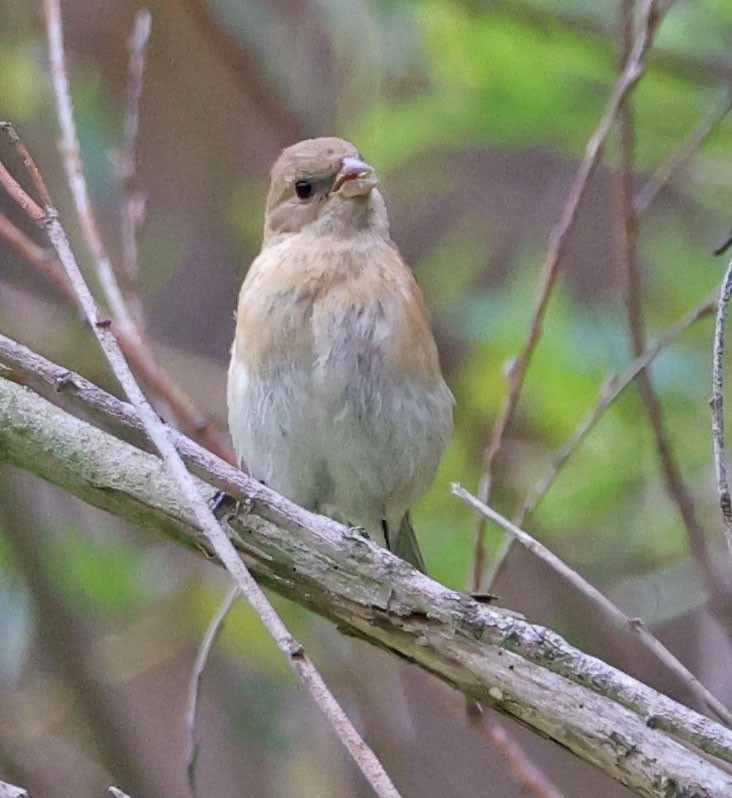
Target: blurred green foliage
(476, 116)
(512, 77)
(498, 77)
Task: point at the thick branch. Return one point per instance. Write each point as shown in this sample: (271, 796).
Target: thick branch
(10, 791)
(602, 715)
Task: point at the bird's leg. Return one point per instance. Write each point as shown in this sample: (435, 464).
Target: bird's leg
(357, 532)
(222, 505)
(385, 532)
(220, 502)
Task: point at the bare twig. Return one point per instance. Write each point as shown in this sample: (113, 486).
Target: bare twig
(717, 405)
(524, 671)
(681, 157)
(137, 46)
(43, 258)
(71, 157)
(28, 248)
(557, 244)
(204, 651)
(526, 773)
(142, 359)
(610, 610)
(527, 672)
(676, 487)
(724, 246)
(124, 323)
(28, 162)
(160, 435)
(16, 191)
(132, 207)
(610, 391)
(63, 641)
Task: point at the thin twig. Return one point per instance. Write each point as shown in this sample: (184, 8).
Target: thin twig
(160, 436)
(676, 487)
(28, 248)
(724, 246)
(717, 405)
(557, 244)
(207, 642)
(532, 780)
(132, 206)
(42, 257)
(353, 582)
(220, 543)
(525, 772)
(16, 191)
(614, 613)
(156, 378)
(73, 166)
(681, 157)
(124, 322)
(611, 390)
(28, 162)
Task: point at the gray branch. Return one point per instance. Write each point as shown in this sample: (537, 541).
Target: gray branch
(648, 742)
(11, 791)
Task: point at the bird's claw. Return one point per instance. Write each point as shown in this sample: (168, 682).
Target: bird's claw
(357, 533)
(221, 504)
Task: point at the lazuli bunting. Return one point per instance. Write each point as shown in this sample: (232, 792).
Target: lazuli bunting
(335, 395)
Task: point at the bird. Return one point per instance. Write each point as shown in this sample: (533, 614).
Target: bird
(335, 394)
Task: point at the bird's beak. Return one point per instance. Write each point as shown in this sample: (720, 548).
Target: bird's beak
(355, 179)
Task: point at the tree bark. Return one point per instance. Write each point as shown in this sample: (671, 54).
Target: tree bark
(648, 742)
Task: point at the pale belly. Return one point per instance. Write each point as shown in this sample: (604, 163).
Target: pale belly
(340, 438)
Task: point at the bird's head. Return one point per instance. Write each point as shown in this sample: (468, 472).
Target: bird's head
(323, 184)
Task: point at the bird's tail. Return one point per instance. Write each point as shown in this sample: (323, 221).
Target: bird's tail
(406, 545)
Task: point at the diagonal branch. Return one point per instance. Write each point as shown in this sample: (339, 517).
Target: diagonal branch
(686, 151)
(676, 487)
(125, 324)
(185, 486)
(717, 405)
(187, 415)
(630, 75)
(132, 205)
(606, 607)
(524, 671)
(207, 643)
(11, 791)
(54, 382)
(609, 393)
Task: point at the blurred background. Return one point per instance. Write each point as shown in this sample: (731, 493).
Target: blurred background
(476, 115)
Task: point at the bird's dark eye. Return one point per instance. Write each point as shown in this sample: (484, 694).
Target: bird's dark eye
(304, 189)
